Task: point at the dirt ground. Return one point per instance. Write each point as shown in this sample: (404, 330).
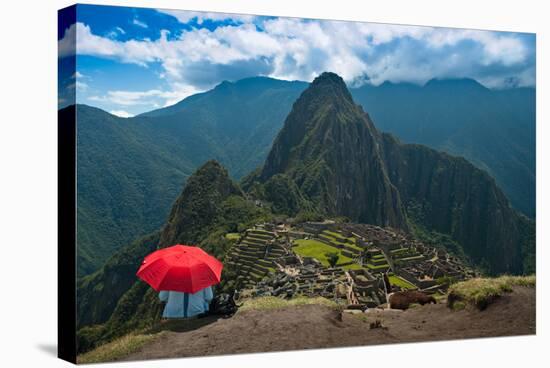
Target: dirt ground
(314, 326)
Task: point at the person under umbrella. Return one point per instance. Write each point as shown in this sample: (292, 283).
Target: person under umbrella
(185, 305)
(184, 276)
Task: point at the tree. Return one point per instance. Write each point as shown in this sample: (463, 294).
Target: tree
(332, 258)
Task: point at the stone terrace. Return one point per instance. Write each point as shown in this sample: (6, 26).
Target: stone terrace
(254, 255)
(306, 277)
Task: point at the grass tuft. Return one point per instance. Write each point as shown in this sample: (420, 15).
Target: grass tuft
(116, 349)
(272, 302)
(480, 292)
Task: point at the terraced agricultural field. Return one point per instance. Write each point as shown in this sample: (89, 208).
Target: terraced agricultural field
(253, 256)
(377, 268)
(402, 283)
(339, 238)
(404, 255)
(316, 249)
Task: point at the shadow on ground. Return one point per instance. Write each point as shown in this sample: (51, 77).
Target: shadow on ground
(48, 348)
(184, 325)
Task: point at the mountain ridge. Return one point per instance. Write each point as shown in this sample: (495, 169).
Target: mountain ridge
(498, 137)
(433, 114)
(224, 85)
(332, 152)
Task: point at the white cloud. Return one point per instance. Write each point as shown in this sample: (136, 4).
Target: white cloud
(185, 16)
(178, 93)
(139, 23)
(121, 113)
(132, 51)
(134, 98)
(79, 76)
(81, 86)
(498, 47)
(117, 31)
(78, 85)
(127, 98)
(297, 49)
(67, 45)
(291, 48)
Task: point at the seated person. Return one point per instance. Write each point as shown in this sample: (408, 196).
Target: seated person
(185, 305)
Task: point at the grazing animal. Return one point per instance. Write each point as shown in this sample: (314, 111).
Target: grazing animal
(403, 299)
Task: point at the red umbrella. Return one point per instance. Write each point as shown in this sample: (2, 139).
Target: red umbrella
(180, 268)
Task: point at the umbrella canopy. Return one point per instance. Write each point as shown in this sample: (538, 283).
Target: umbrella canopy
(180, 268)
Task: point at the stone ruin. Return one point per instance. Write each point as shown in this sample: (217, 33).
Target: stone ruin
(267, 266)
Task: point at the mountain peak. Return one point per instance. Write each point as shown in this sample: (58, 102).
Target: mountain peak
(327, 157)
(199, 203)
(324, 105)
(211, 165)
(328, 78)
(331, 84)
(327, 92)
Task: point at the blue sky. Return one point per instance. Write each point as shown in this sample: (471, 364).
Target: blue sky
(132, 60)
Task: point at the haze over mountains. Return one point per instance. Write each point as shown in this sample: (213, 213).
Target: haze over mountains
(146, 159)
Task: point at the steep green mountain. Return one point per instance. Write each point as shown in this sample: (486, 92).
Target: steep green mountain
(494, 129)
(332, 156)
(130, 170)
(329, 148)
(112, 301)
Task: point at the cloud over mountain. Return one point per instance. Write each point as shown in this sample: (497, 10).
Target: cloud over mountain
(206, 48)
